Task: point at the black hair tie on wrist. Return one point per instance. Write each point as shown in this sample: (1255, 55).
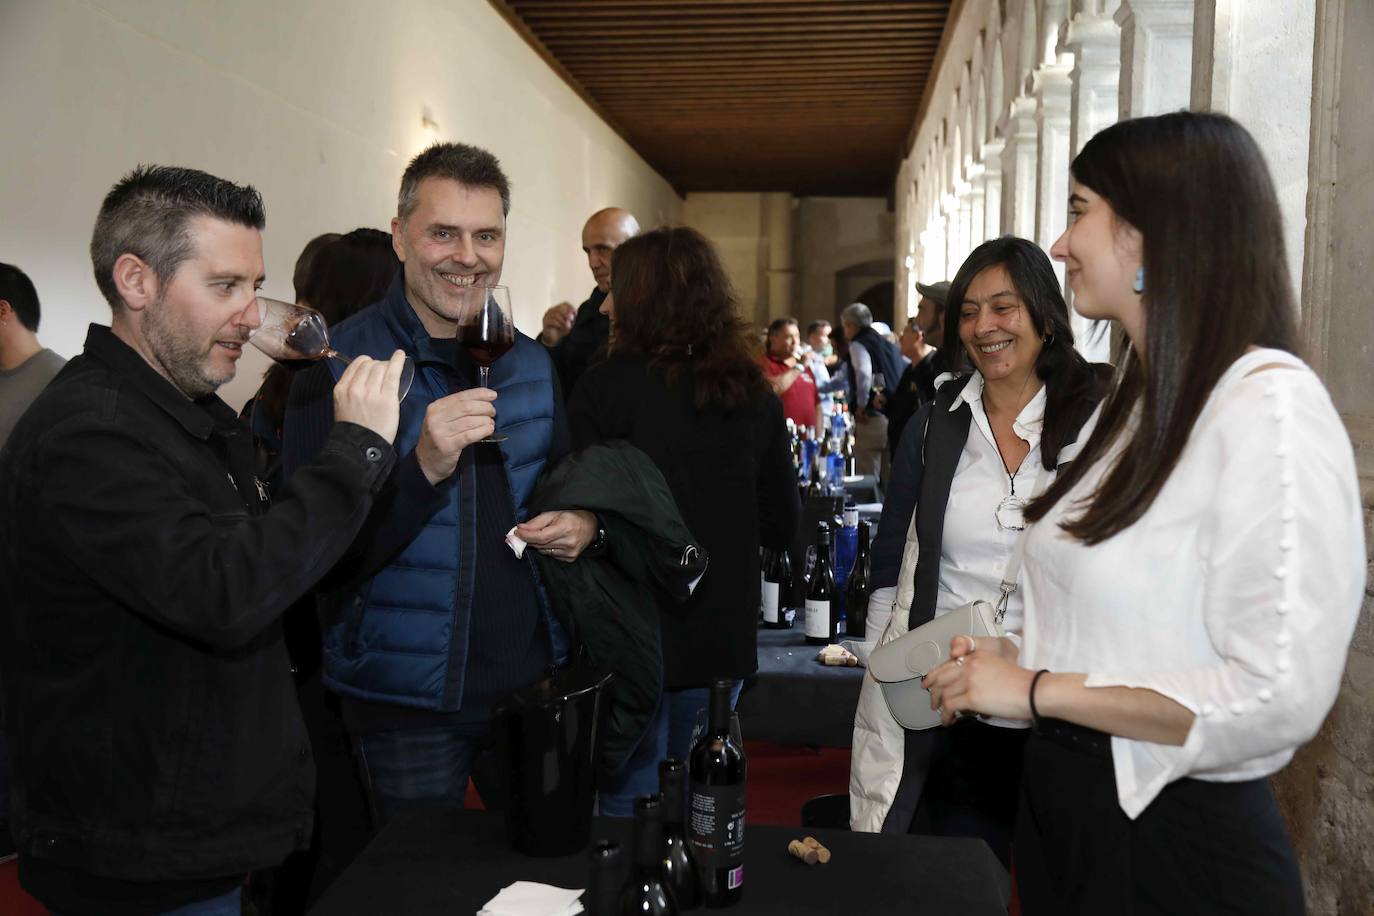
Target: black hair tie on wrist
(1035, 714)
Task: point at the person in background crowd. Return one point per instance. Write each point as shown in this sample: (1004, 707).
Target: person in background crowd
(575, 337)
(682, 383)
(818, 344)
(159, 753)
(336, 275)
(967, 464)
(26, 366)
(1193, 579)
(432, 619)
(870, 354)
(916, 387)
(788, 374)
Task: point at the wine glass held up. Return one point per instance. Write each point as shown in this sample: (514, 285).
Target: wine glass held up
(487, 332)
(292, 333)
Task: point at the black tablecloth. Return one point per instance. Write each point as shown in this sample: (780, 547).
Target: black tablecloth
(794, 699)
(452, 862)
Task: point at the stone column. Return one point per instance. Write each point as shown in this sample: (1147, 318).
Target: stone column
(1095, 42)
(976, 197)
(1156, 55)
(1052, 89)
(1018, 170)
(1253, 60)
(778, 270)
(992, 185)
(964, 197)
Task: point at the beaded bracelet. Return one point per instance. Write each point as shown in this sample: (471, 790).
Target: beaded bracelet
(1035, 715)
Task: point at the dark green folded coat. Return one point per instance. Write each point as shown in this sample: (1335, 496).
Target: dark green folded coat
(610, 600)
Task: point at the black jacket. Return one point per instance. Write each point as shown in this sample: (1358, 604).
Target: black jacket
(913, 390)
(583, 344)
(609, 600)
(730, 473)
(152, 719)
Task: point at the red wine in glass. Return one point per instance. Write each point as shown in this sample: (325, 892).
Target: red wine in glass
(488, 333)
(292, 333)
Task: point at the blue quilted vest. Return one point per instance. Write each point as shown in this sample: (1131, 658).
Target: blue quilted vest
(402, 636)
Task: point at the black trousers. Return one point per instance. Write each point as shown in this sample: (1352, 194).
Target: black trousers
(973, 784)
(1200, 847)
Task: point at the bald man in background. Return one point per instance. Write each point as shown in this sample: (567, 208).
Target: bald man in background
(574, 336)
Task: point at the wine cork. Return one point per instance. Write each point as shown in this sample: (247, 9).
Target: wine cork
(822, 854)
(803, 852)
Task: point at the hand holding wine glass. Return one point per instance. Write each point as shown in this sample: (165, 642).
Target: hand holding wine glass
(487, 332)
(294, 333)
(367, 394)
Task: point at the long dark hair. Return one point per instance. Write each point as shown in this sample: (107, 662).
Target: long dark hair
(1072, 385)
(674, 304)
(343, 276)
(1216, 283)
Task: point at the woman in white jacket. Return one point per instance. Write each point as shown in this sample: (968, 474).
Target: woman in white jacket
(1193, 580)
(969, 463)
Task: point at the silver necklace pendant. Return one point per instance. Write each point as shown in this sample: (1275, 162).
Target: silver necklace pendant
(1011, 514)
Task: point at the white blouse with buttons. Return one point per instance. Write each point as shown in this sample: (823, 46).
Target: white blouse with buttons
(1235, 595)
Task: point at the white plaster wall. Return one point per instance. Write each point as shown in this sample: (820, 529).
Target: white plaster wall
(316, 103)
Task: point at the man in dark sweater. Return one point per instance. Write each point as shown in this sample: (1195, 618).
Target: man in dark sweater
(575, 336)
(431, 620)
(920, 338)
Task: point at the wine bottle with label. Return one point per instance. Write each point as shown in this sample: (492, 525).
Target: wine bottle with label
(679, 869)
(715, 827)
(646, 892)
(859, 587)
(777, 589)
(822, 610)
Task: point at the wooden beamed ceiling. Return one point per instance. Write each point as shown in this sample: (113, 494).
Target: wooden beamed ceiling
(806, 96)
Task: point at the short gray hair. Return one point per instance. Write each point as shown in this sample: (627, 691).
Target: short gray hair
(470, 166)
(147, 212)
(858, 315)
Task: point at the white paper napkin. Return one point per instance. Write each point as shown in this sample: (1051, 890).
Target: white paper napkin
(530, 898)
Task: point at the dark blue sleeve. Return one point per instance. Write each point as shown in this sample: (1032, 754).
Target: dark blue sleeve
(403, 504)
(903, 488)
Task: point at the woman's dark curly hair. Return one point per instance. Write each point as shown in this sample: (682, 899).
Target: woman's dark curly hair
(674, 304)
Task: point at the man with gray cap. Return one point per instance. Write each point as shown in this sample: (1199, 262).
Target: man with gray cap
(921, 336)
(870, 355)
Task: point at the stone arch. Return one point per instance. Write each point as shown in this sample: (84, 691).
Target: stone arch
(997, 86)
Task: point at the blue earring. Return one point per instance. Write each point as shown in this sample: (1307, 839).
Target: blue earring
(1139, 284)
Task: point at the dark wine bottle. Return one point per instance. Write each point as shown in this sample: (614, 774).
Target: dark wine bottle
(822, 605)
(646, 892)
(602, 897)
(817, 486)
(777, 589)
(859, 587)
(715, 828)
(679, 869)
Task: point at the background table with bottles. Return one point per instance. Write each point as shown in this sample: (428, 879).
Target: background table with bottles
(449, 862)
(794, 699)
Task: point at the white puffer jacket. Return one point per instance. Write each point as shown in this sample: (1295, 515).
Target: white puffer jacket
(875, 767)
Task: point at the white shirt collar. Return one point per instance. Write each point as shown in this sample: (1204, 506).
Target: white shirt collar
(1028, 422)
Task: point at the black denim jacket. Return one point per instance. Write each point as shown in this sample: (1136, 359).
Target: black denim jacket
(152, 718)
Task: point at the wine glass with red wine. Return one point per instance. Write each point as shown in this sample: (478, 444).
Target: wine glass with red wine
(294, 333)
(487, 332)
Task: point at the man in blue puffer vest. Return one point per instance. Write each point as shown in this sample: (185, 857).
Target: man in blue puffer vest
(431, 619)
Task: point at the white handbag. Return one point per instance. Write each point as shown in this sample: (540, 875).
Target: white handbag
(899, 665)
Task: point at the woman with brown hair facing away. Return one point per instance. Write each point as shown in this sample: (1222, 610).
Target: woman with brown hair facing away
(682, 383)
(1192, 580)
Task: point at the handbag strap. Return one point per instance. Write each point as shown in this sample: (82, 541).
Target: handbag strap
(1018, 553)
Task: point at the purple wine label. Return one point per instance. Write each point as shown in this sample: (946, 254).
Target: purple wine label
(735, 878)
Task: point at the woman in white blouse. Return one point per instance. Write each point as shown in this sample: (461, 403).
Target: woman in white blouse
(1193, 581)
(970, 461)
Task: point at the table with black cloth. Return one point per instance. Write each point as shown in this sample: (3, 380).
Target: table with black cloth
(794, 699)
(447, 862)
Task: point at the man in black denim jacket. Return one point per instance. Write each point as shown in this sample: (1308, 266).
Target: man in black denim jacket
(157, 745)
